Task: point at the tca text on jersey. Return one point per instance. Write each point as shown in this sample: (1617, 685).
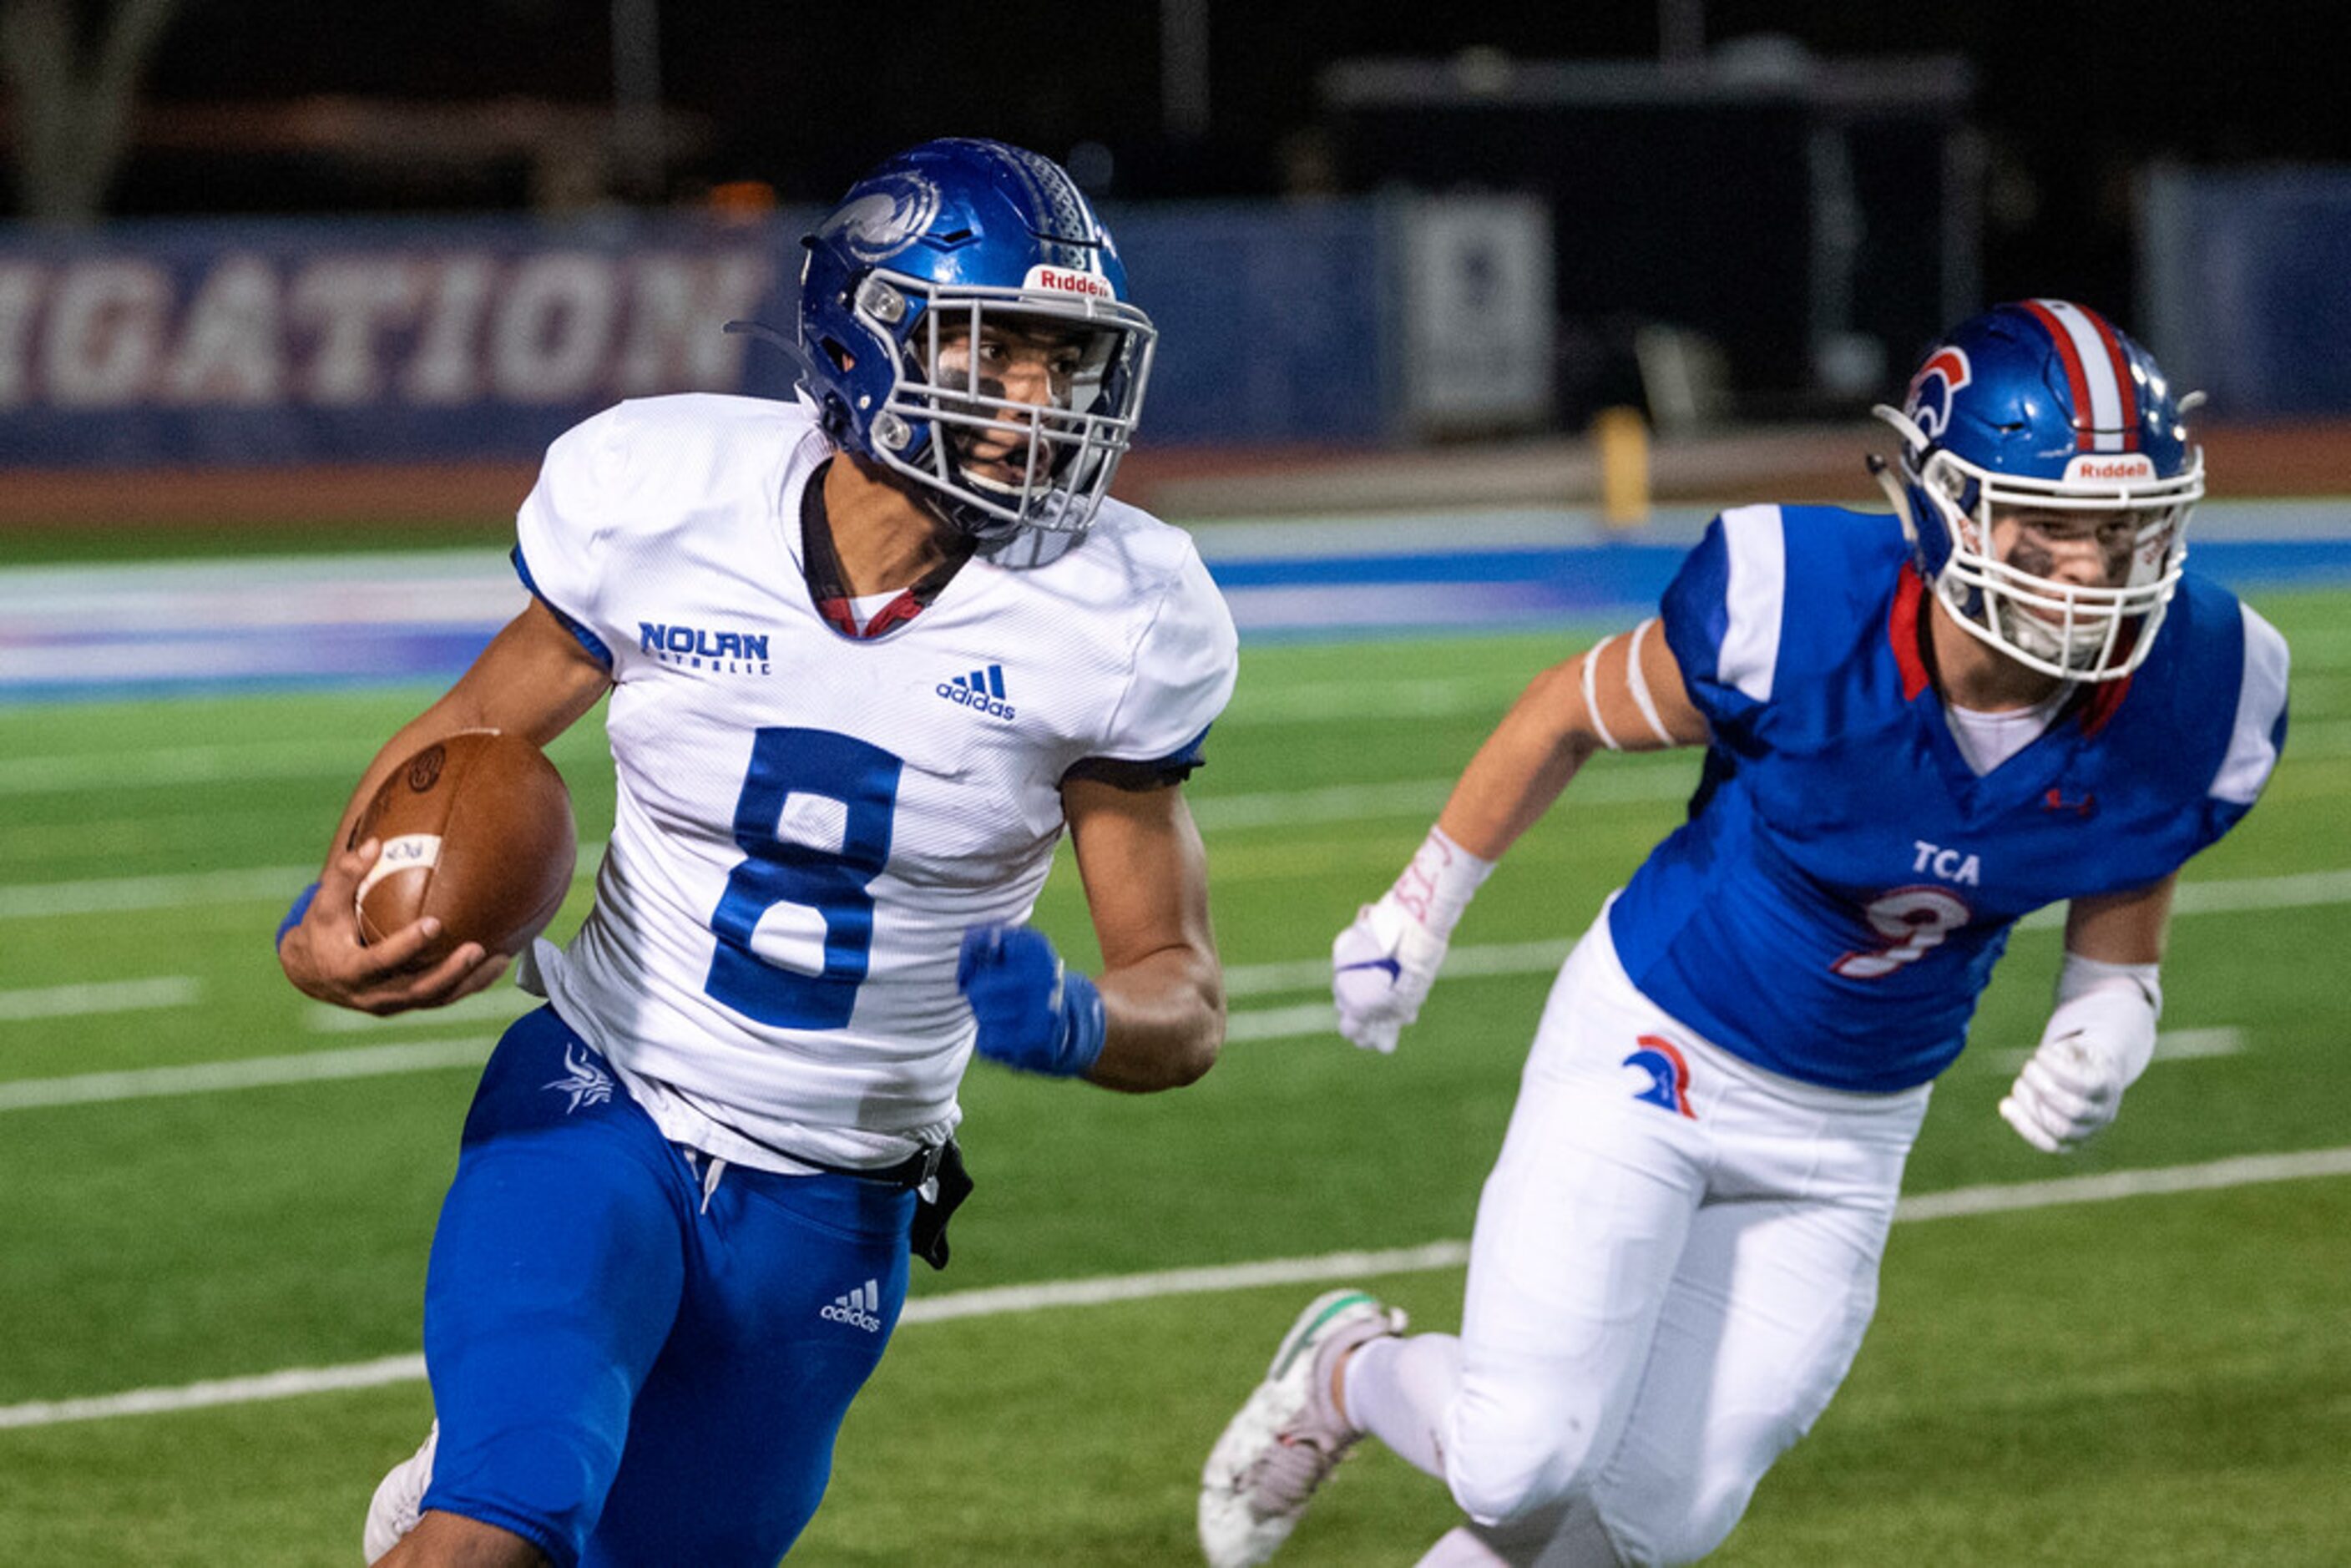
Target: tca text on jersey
(1951, 865)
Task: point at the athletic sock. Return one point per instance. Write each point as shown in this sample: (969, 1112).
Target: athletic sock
(1399, 1391)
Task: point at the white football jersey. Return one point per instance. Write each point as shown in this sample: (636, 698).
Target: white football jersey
(807, 823)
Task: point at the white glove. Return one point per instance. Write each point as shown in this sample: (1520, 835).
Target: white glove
(2099, 1040)
(1380, 970)
(2065, 1096)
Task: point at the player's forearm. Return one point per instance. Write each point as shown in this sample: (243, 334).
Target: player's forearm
(1167, 1019)
(1523, 767)
(2122, 928)
(532, 680)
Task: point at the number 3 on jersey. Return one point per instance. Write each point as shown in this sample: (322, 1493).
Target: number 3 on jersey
(840, 783)
(1912, 920)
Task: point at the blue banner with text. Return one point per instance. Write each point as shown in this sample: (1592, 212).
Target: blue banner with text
(289, 341)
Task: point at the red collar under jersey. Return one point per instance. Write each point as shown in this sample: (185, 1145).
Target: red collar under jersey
(820, 564)
(1906, 631)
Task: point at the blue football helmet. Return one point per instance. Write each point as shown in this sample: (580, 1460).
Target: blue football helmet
(942, 248)
(2045, 406)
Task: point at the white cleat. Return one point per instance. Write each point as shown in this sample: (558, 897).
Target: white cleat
(1289, 1436)
(398, 1501)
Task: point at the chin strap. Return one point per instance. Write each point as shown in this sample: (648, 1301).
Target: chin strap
(797, 357)
(1897, 493)
(1896, 490)
(985, 530)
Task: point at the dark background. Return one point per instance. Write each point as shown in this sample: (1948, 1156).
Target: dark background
(2019, 167)
(2071, 98)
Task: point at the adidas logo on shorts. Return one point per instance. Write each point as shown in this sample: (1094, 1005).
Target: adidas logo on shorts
(857, 1309)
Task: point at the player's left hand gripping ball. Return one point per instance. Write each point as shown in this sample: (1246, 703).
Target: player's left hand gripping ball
(1033, 1013)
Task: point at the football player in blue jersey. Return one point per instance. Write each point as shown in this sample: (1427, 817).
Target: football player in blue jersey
(1918, 729)
(687, 1190)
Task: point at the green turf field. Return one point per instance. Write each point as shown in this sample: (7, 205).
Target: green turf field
(2160, 1379)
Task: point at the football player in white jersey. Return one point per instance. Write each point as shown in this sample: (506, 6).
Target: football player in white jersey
(1919, 728)
(868, 654)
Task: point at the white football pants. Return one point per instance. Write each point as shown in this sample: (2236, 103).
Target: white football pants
(1669, 1279)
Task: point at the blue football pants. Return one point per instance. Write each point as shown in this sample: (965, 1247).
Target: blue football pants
(626, 1373)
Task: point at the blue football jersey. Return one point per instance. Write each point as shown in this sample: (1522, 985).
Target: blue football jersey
(1834, 904)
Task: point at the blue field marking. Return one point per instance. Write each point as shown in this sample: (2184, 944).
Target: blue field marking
(1606, 572)
(176, 629)
(2247, 564)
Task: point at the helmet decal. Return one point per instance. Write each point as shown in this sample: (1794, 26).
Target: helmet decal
(1068, 222)
(2105, 404)
(1943, 374)
(886, 219)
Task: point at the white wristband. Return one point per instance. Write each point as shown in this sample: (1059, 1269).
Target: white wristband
(1440, 883)
(2078, 977)
(2115, 1006)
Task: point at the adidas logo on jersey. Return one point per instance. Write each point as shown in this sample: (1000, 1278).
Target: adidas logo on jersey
(981, 689)
(857, 1309)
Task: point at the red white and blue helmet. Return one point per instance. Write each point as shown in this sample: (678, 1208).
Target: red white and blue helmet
(2045, 405)
(949, 236)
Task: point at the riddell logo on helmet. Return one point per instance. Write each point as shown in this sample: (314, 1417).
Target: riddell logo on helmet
(2134, 465)
(1058, 280)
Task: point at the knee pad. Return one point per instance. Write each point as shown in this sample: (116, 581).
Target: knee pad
(1508, 1455)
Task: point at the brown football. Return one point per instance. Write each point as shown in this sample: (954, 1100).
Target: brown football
(476, 830)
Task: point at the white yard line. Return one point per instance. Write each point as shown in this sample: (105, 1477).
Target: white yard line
(92, 772)
(1063, 1294)
(83, 772)
(499, 1007)
(1340, 803)
(1484, 961)
(1058, 1293)
(2008, 1198)
(1332, 806)
(2295, 890)
(249, 1072)
(2170, 1045)
(1326, 702)
(1272, 979)
(2298, 891)
(124, 894)
(222, 1391)
(2190, 1044)
(1489, 960)
(1310, 702)
(112, 996)
(1281, 1023)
